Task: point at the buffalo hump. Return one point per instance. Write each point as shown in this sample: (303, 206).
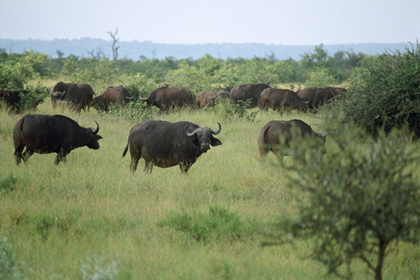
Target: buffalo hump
(165, 144)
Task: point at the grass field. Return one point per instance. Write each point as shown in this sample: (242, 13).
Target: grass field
(90, 217)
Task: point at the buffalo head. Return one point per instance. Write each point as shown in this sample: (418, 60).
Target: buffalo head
(93, 137)
(204, 136)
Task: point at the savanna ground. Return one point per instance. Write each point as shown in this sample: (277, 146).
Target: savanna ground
(90, 217)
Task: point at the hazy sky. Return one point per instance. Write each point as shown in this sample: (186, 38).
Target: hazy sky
(291, 22)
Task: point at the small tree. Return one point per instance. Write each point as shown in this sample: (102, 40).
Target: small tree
(359, 201)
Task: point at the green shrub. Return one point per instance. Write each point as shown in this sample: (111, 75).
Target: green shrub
(229, 111)
(218, 224)
(384, 92)
(100, 75)
(139, 85)
(139, 111)
(360, 200)
(33, 97)
(320, 77)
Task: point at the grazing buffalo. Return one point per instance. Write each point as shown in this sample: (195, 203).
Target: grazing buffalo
(206, 99)
(241, 93)
(317, 97)
(19, 100)
(169, 98)
(166, 144)
(117, 95)
(223, 92)
(46, 134)
(79, 97)
(278, 136)
(59, 92)
(281, 100)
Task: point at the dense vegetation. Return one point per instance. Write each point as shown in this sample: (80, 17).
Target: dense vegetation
(208, 71)
(353, 208)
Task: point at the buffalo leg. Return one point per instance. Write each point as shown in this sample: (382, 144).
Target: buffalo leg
(18, 154)
(133, 164)
(263, 149)
(26, 155)
(148, 167)
(184, 168)
(60, 157)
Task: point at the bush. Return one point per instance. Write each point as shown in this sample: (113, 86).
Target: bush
(385, 92)
(33, 97)
(218, 224)
(138, 111)
(229, 111)
(360, 199)
(320, 77)
(139, 85)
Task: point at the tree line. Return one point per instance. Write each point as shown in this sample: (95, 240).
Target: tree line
(312, 68)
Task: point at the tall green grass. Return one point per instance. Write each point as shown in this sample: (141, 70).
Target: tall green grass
(90, 217)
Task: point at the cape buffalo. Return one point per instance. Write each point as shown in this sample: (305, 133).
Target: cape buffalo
(278, 136)
(317, 97)
(19, 100)
(59, 91)
(169, 98)
(79, 97)
(117, 95)
(46, 134)
(166, 144)
(239, 94)
(206, 99)
(281, 100)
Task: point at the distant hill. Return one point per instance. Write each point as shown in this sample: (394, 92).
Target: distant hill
(134, 50)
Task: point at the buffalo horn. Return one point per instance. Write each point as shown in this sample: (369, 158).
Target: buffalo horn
(189, 133)
(95, 131)
(129, 97)
(218, 131)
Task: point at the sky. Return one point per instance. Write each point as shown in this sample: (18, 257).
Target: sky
(279, 22)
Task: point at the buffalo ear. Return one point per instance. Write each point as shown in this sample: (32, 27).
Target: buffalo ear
(215, 142)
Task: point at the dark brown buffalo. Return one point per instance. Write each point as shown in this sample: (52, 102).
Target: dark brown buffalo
(116, 95)
(242, 93)
(19, 100)
(166, 144)
(277, 137)
(46, 134)
(281, 100)
(79, 97)
(317, 97)
(169, 98)
(206, 99)
(59, 91)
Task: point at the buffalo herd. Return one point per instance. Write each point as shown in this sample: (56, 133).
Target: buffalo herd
(165, 144)
(81, 96)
